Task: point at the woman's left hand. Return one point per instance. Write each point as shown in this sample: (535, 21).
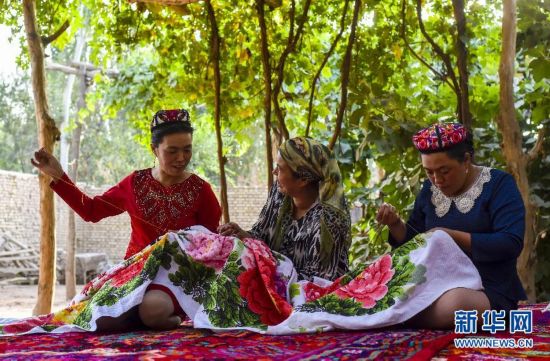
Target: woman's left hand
(462, 239)
(446, 230)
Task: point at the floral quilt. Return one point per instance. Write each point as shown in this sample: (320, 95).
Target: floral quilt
(227, 283)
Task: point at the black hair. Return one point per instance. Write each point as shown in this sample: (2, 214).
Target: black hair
(160, 131)
(458, 151)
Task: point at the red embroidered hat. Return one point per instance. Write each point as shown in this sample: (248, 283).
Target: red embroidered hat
(439, 137)
(167, 116)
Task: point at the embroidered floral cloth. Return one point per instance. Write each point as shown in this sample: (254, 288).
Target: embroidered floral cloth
(227, 283)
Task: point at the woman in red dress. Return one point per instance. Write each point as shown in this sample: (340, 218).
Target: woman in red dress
(165, 197)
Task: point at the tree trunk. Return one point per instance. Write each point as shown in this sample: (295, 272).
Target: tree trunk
(67, 101)
(323, 63)
(462, 63)
(70, 267)
(449, 69)
(290, 47)
(516, 159)
(70, 262)
(72, 158)
(47, 136)
(345, 71)
(215, 53)
(267, 92)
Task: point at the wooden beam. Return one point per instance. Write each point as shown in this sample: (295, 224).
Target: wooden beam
(15, 280)
(79, 68)
(18, 258)
(64, 69)
(16, 270)
(83, 65)
(19, 251)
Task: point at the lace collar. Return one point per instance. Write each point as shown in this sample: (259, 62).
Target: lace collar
(464, 202)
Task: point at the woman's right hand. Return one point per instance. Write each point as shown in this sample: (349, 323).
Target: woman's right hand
(232, 229)
(387, 215)
(47, 164)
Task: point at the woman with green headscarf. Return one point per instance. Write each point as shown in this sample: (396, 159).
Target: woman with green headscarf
(305, 217)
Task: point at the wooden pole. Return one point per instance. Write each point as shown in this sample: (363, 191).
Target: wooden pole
(48, 134)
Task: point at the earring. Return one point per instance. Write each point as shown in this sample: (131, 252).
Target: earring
(154, 162)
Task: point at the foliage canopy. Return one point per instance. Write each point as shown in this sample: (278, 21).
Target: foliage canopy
(164, 61)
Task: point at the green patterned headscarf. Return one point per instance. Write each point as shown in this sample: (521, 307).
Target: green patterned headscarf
(313, 161)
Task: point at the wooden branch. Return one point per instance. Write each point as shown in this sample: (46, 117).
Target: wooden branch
(290, 46)
(537, 148)
(325, 60)
(273, 4)
(414, 53)
(437, 49)
(215, 53)
(346, 67)
(292, 20)
(46, 40)
(260, 8)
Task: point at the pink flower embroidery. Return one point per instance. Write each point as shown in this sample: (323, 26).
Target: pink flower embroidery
(210, 249)
(28, 324)
(314, 291)
(255, 248)
(370, 285)
(261, 297)
(127, 274)
(260, 285)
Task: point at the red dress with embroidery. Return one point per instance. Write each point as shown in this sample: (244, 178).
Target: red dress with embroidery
(153, 208)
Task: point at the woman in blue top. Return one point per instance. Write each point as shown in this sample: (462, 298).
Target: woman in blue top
(479, 207)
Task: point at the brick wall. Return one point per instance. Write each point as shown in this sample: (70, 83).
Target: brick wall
(19, 215)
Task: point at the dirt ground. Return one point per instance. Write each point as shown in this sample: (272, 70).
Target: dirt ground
(18, 301)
